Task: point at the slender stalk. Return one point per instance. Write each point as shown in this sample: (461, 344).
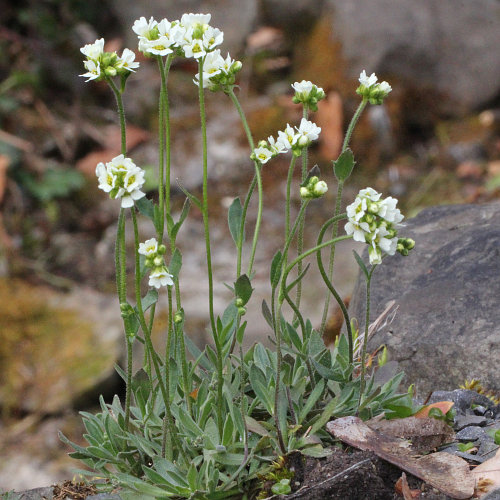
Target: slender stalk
(365, 339)
(255, 239)
(168, 345)
(166, 128)
(300, 235)
(220, 379)
(288, 201)
(338, 205)
(161, 146)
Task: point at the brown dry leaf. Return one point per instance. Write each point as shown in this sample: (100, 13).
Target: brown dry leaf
(425, 434)
(448, 473)
(87, 164)
(402, 488)
(330, 118)
(487, 475)
(444, 406)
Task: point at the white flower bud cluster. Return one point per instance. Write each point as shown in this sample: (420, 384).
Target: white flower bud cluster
(369, 89)
(288, 139)
(121, 178)
(308, 94)
(374, 221)
(100, 64)
(313, 189)
(191, 36)
(154, 253)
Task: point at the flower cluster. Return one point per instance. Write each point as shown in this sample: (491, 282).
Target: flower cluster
(313, 189)
(100, 64)
(374, 221)
(121, 178)
(308, 94)
(191, 36)
(154, 253)
(288, 139)
(218, 73)
(369, 89)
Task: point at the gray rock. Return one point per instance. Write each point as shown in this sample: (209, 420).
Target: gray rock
(36, 494)
(447, 328)
(488, 449)
(235, 17)
(492, 495)
(463, 399)
(425, 43)
(470, 433)
(469, 421)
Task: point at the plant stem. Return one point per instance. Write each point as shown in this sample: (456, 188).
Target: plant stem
(338, 204)
(220, 379)
(365, 339)
(288, 201)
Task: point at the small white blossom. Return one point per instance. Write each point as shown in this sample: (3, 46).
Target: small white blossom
(320, 188)
(304, 87)
(144, 28)
(160, 277)
(307, 132)
(93, 50)
(287, 137)
(276, 146)
(367, 81)
(149, 248)
(192, 20)
(262, 154)
(93, 70)
(127, 60)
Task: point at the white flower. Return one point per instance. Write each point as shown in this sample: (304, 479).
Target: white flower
(384, 87)
(357, 230)
(162, 46)
(127, 60)
(93, 50)
(149, 248)
(93, 70)
(388, 210)
(160, 277)
(276, 146)
(194, 49)
(367, 81)
(307, 132)
(122, 178)
(287, 137)
(304, 87)
(188, 20)
(106, 179)
(263, 155)
(144, 28)
(212, 37)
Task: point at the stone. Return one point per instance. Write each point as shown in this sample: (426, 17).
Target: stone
(447, 326)
(55, 346)
(470, 433)
(424, 44)
(462, 422)
(492, 495)
(463, 399)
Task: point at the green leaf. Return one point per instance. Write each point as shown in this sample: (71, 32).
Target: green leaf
(234, 219)
(316, 451)
(182, 218)
(344, 165)
(311, 400)
(294, 337)
(149, 299)
(175, 263)
(243, 289)
(146, 207)
(261, 388)
(257, 427)
(266, 312)
(241, 332)
(276, 266)
(361, 264)
(191, 197)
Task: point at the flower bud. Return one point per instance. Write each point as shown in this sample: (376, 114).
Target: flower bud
(158, 261)
(110, 71)
(320, 188)
(236, 66)
(312, 181)
(373, 208)
(303, 141)
(178, 317)
(239, 302)
(410, 243)
(305, 193)
(162, 249)
(242, 311)
(262, 144)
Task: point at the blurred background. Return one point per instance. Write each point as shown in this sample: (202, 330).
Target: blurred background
(436, 140)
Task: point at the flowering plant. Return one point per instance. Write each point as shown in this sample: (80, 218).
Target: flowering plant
(207, 426)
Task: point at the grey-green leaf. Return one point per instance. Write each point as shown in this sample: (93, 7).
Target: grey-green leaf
(344, 165)
(234, 219)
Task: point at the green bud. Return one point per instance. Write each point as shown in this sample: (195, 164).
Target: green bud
(242, 311)
(178, 317)
(239, 302)
(369, 218)
(110, 71)
(262, 144)
(373, 208)
(312, 181)
(149, 262)
(158, 261)
(409, 243)
(162, 249)
(305, 193)
(236, 66)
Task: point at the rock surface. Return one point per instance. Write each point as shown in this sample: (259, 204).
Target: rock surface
(444, 45)
(447, 328)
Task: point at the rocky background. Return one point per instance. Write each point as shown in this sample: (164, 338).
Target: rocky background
(436, 141)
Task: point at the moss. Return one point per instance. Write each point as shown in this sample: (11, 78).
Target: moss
(47, 355)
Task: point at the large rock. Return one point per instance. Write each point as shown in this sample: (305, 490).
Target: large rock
(444, 45)
(447, 327)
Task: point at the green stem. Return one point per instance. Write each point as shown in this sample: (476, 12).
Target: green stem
(338, 204)
(300, 235)
(121, 114)
(365, 339)
(168, 156)
(128, 388)
(288, 201)
(220, 379)
(167, 372)
(161, 144)
(255, 239)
